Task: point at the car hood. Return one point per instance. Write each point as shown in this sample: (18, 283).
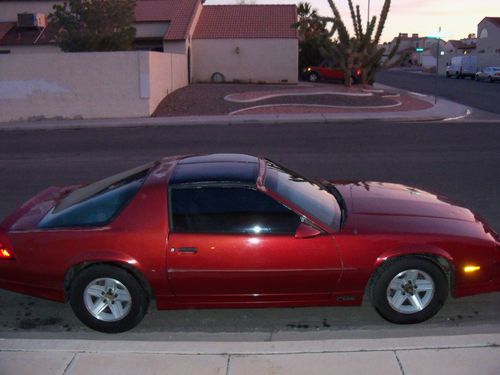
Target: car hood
(379, 198)
(378, 207)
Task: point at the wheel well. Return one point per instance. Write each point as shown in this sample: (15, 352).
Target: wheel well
(441, 262)
(76, 269)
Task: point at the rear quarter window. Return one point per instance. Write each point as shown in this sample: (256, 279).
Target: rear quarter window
(98, 209)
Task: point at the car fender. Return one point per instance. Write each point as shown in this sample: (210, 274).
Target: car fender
(104, 256)
(416, 249)
(154, 280)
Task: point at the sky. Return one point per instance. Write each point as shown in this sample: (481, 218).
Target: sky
(457, 18)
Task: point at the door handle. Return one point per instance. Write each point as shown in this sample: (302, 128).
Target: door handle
(192, 250)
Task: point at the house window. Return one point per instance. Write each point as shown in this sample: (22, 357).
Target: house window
(484, 33)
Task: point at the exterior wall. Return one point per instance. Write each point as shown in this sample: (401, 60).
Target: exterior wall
(31, 49)
(175, 46)
(10, 9)
(85, 85)
(488, 44)
(247, 60)
(151, 29)
(167, 73)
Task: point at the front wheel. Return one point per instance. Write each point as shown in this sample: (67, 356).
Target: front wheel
(313, 77)
(409, 290)
(108, 299)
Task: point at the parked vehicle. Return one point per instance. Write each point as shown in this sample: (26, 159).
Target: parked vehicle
(490, 74)
(327, 71)
(462, 66)
(232, 230)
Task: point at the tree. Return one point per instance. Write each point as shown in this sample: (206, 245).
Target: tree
(361, 50)
(94, 25)
(312, 35)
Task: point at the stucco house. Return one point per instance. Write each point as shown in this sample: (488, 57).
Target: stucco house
(459, 47)
(238, 42)
(488, 42)
(253, 43)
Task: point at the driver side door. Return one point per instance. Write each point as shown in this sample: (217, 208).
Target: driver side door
(236, 244)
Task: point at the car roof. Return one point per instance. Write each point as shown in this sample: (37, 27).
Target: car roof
(239, 168)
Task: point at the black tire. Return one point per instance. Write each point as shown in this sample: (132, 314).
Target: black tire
(313, 77)
(431, 303)
(133, 311)
(490, 79)
(477, 78)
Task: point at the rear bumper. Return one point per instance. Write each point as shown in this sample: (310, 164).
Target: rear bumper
(33, 290)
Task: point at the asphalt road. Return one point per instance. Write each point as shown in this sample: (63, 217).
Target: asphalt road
(480, 95)
(461, 160)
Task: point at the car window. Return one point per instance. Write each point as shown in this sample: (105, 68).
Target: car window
(229, 210)
(99, 208)
(306, 194)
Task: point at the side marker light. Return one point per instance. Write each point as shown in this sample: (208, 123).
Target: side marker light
(470, 269)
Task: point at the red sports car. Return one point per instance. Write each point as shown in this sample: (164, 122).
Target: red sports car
(230, 230)
(327, 71)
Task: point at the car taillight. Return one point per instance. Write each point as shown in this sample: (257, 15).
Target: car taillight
(5, 253)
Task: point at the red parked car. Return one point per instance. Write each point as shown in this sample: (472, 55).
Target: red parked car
(231, 230)
(327, 72)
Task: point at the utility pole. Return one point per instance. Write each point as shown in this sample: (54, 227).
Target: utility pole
(437, 63)
(368, 18)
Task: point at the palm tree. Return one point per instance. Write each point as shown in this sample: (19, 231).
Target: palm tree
(312, 35)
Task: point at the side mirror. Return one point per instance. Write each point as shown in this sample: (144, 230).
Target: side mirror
(306, 231)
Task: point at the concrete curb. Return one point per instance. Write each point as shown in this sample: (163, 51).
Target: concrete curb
(253, 348)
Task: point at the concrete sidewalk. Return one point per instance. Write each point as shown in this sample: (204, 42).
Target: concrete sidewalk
(454, 355)
(443, 110)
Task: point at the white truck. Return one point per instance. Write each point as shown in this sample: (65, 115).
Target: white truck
(462, 66)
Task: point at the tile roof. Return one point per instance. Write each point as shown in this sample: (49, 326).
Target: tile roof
(155, 10)
(458, 44)
(5, 27)
(246, 21)
(22, 36)
(494, 20)
(179, 13)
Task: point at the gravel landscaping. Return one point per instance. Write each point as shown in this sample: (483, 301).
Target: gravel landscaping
(209, 99)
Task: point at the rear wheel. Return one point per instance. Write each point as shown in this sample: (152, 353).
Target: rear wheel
(490, 79)
(408, 290)
(108, 299)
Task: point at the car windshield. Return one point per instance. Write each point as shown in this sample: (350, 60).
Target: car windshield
(305, 194)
